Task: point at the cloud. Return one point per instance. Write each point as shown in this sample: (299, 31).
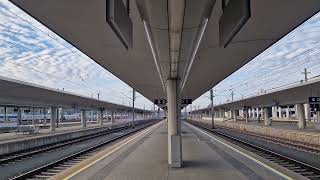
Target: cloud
(281, 64)
(31, 52)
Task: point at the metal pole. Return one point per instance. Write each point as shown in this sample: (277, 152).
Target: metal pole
(232, 94)
(305, 75)
(185, 112)
(212, 115)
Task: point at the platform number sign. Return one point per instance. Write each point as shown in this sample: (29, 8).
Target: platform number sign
(160, 101)
(186, 101)
(314, 103)
(314, 99)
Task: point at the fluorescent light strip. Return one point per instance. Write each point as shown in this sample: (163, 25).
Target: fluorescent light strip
(195, 50)
(154, 54)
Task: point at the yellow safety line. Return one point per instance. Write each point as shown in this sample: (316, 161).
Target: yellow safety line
(110, 152)
(244, 154)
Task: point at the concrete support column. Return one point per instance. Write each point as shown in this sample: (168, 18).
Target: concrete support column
(83, 118)
(112, 117)
(174, 124)
(5, 113)
(234, 115)
(301, 116)
(53, 119)
(253, 113)
(19, 116)
(266, 117)
(307, 111)
(274, 112)
(61, 114)
(287, 112)
(100, 116)
(246, 115)
(33, 120)
(44, 117)
(280, 112)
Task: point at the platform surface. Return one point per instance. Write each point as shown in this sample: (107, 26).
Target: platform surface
(203, 159)
(312, 127)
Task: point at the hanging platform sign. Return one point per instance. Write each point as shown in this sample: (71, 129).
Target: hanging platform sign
(160, 101)
(186, 101)
(314, 103)
(314, 100)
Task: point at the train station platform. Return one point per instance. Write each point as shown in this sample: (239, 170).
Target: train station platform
(12, 142)
(144, 157)
(63, 128)
(282, 130)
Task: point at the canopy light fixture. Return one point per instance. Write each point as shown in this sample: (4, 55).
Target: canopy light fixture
(119, 20)
(155, 57)
(235, 14)
(195, 50)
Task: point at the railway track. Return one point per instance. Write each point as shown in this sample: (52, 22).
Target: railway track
(48, 170)
(289, 143)
(296, 166)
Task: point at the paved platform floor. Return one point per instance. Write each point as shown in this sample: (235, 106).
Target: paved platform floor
(310, 126)
(203, 159)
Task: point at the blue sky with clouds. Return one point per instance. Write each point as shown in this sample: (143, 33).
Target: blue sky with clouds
(279, 65)
(31, 52)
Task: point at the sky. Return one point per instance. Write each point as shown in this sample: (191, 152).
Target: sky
(31, 52)
(278, 66)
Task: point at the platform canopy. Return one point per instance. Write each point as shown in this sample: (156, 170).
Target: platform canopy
(83, 24)
(286, 96)
(18, 93)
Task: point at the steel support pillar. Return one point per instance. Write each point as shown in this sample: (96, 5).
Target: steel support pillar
(174, 124)
(234, 115)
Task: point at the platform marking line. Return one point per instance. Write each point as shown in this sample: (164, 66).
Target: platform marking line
(113, 150)
(242, 153)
